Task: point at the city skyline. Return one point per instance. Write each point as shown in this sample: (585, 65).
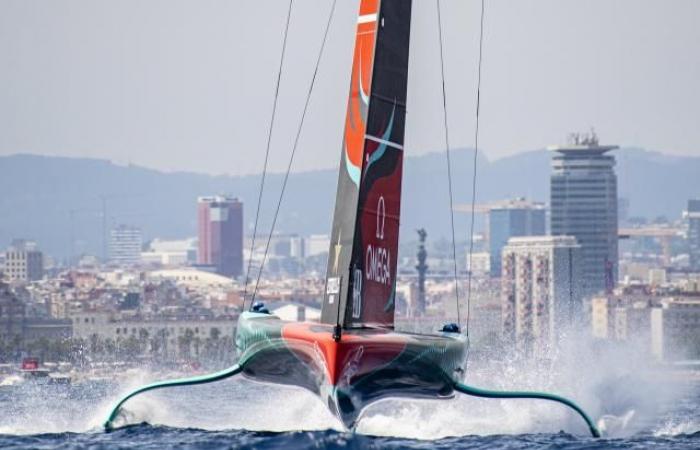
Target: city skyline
(653, 186)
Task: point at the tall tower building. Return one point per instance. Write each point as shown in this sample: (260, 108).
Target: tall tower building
(220, 224)
(583, 200)
(24, 261)
(512, 219)
(538, 290)
(125, 244)
(422, 269)
(693, 216)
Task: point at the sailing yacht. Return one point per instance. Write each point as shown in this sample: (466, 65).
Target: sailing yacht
(354, 357)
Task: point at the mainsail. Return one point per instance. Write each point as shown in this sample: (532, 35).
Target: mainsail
(361, 273)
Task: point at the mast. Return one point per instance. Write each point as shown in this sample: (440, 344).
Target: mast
(361, 273)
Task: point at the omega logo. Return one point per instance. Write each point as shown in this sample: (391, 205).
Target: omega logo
(381, 217)
(377, 258)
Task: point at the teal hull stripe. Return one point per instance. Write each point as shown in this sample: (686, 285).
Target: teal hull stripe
(484, 393)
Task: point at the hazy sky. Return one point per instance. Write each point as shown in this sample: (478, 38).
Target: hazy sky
(188, 85)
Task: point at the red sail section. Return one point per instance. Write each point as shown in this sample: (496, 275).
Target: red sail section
(361, 277)
(360, 85)
(345, 215)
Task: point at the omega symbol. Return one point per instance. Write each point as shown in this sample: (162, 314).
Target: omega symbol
(381, 217)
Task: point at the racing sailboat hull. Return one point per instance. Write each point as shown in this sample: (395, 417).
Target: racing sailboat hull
(362, 367)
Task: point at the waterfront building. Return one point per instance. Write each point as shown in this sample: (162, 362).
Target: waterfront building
(664, 321)
(170, 253)
(12, 313)
(479, 263)
(169, 332)
(24, 261)
(125, 244)
(190, 277)
(512, 219)
(584, 204)
(693, 216)
(624, 317)
(317, 244)
(220, 231)
(18, 325)
(675, 329)
(539, 296)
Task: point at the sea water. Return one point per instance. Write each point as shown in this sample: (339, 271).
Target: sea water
(636, 407)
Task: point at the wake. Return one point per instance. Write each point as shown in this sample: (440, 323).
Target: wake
(613, 387)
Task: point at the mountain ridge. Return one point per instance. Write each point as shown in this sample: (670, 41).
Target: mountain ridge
(50, 198)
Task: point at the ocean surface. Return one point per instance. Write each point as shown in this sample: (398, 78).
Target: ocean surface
(652, 410)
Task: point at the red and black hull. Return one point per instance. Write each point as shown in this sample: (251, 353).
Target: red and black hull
(362, 367)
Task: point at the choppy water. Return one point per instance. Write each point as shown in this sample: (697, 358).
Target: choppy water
(638, 412)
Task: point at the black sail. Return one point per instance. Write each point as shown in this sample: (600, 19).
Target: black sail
(361, 273)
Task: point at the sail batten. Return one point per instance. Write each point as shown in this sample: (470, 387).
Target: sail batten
(361, 274)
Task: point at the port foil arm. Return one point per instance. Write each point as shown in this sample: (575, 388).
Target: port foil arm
(201, 379)
(485, 393)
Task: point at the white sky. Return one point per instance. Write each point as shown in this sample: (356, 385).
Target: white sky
(188, 84)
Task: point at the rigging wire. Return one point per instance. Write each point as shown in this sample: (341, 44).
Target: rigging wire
(267, 151)
(476, 152)
(449, 163)
(294, 148)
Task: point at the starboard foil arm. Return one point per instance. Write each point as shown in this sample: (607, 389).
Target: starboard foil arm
(485, 393)
(201, 379)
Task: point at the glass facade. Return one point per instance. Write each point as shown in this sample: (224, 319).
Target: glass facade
(583, 199)
(508, 222)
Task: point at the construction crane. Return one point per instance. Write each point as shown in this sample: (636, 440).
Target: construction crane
(663, 234)
(486, 208)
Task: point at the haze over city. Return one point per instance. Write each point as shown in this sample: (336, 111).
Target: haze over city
(175, 85)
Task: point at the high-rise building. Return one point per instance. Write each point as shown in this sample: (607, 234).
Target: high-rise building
(693, 216)
(220, 224)
(125, 244)
(24, 261)
(12, 314)
(512, 219)
(584, 205)
(539, 295)
(674, 329)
